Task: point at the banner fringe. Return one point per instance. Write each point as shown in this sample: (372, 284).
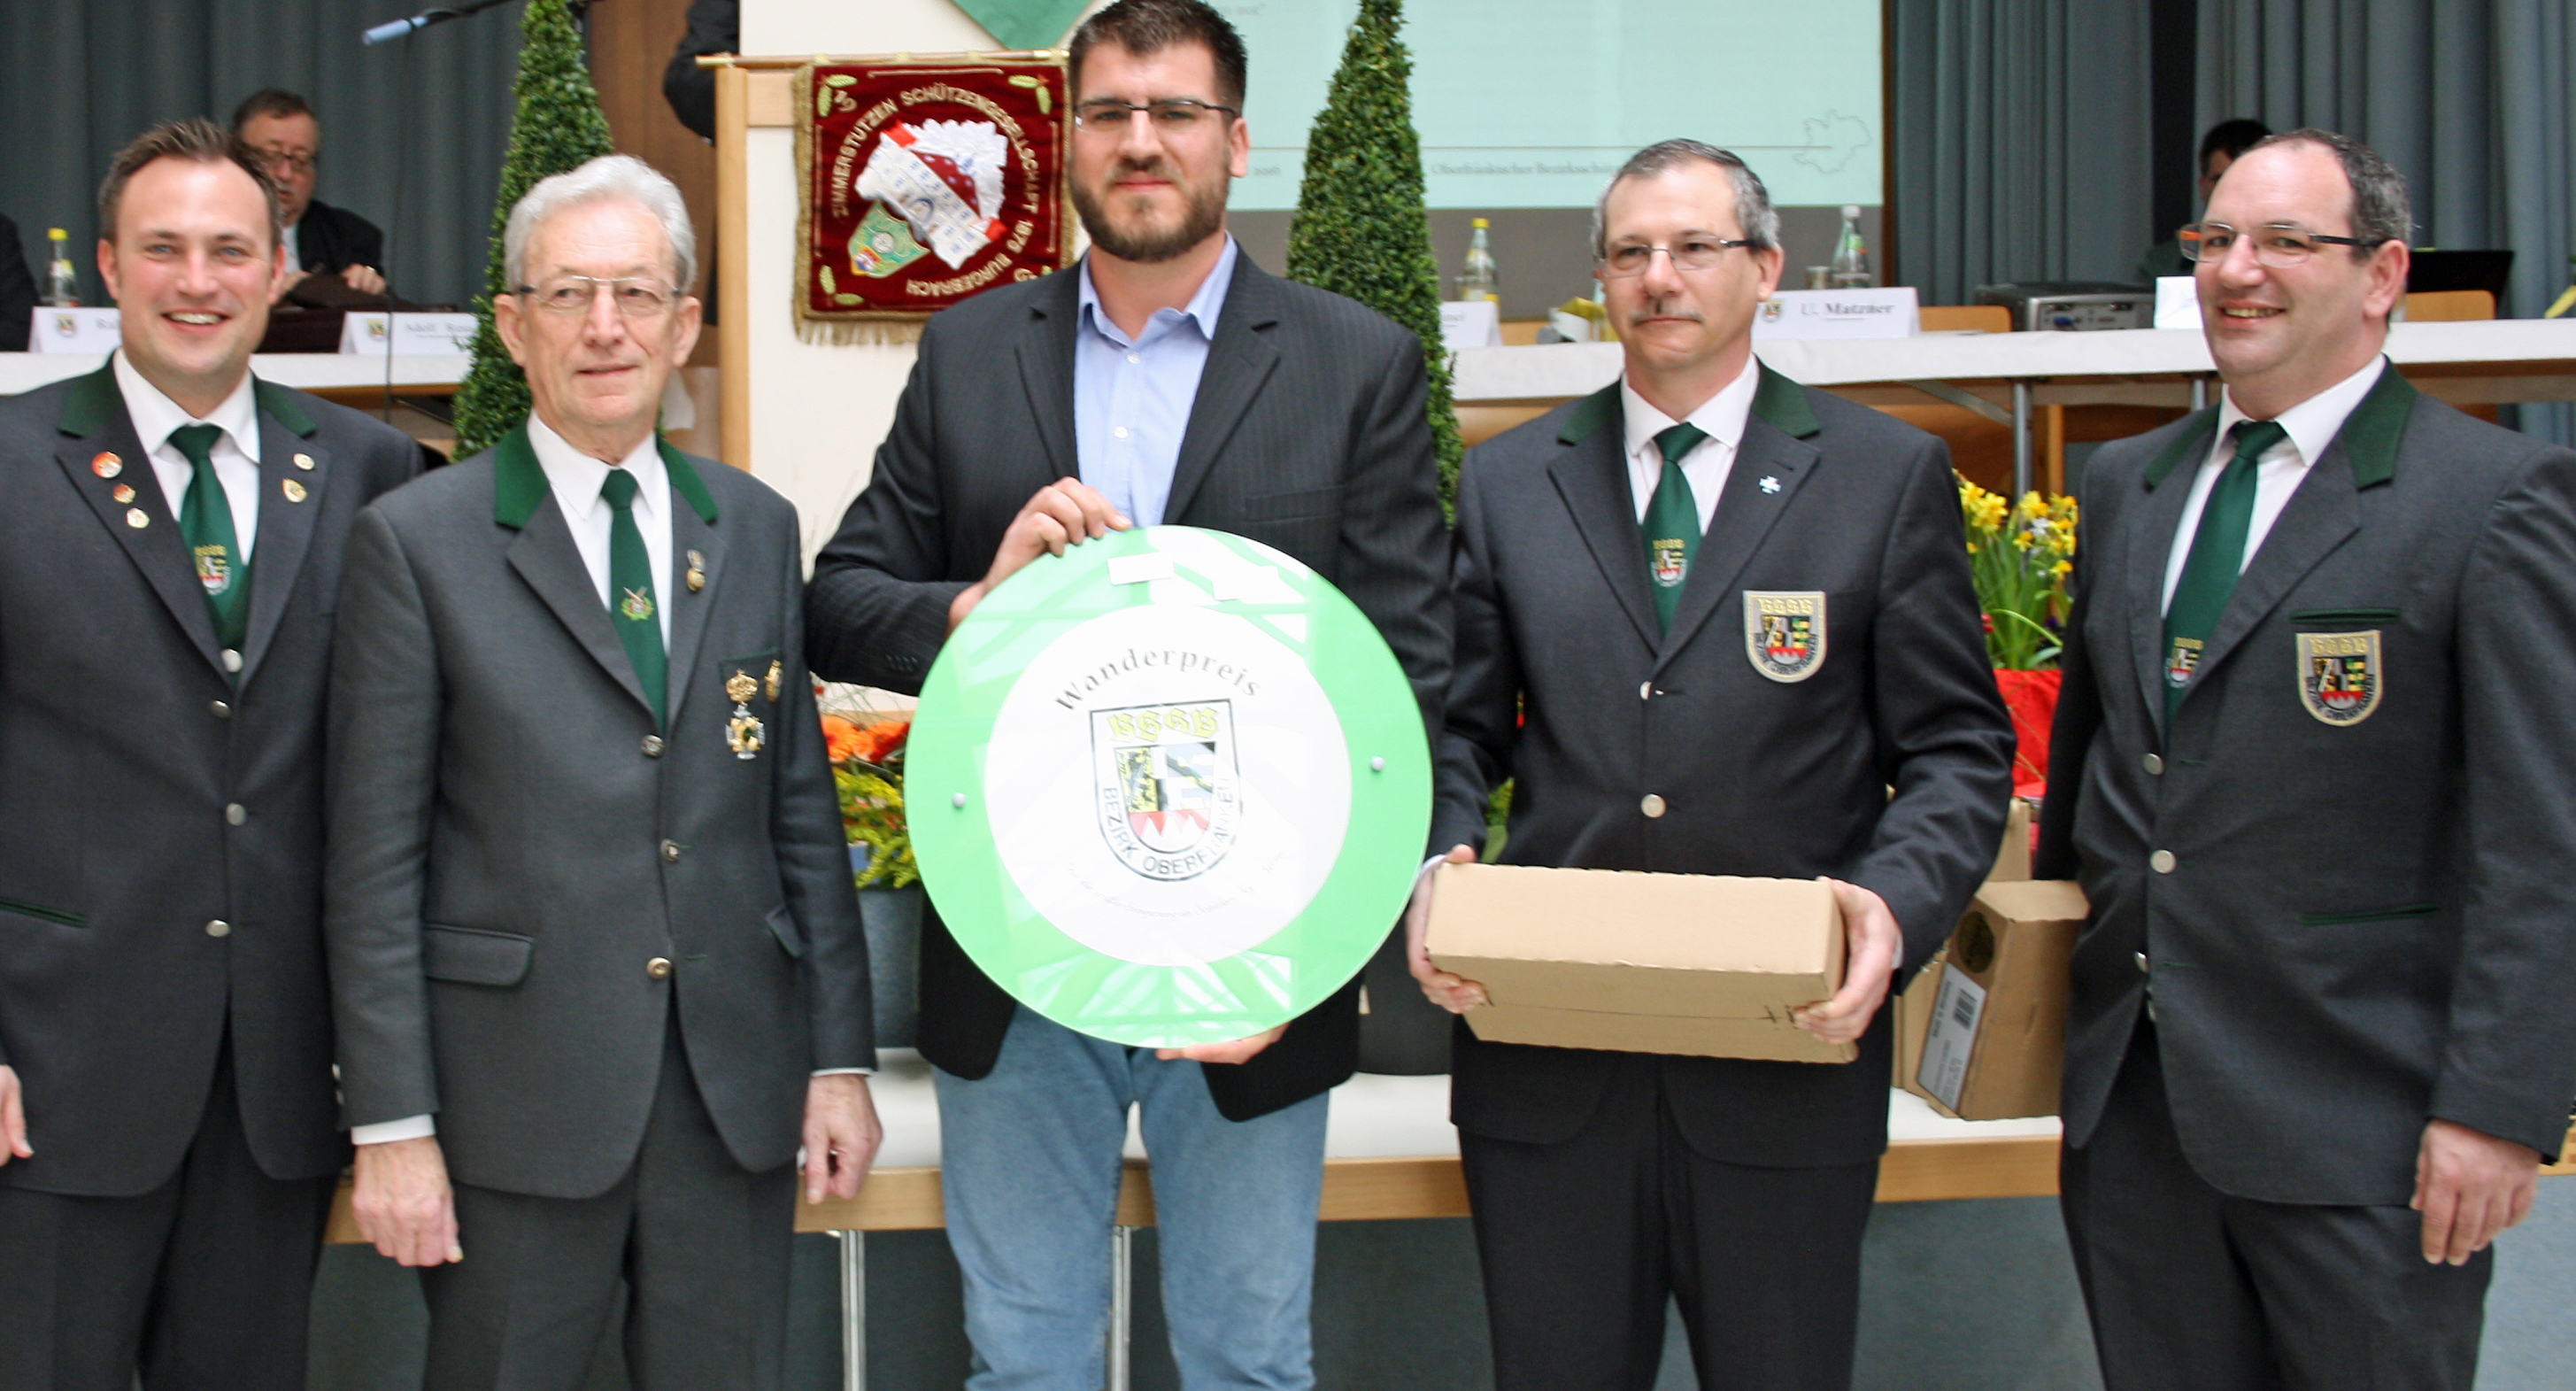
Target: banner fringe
(847, 333)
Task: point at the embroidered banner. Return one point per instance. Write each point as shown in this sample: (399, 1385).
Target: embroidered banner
(926, 181)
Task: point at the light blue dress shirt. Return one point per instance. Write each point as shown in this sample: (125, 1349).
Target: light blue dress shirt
(1132, 397)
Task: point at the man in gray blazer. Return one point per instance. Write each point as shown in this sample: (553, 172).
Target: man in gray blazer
(2312, 764)
(1707, 620)
(1165, 379)
(169, 556)
(594, 943)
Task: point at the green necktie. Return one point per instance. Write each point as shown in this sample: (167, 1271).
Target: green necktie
(630, 592)
(2217, 557)
(1671, 526)
(206, 524)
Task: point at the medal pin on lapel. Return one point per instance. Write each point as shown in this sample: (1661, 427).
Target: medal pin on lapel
(122, 493)
(107, 465)
(697, 576)
(1770, 484)
(294, 491)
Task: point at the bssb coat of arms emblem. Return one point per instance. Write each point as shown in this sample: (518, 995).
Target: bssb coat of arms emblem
(1784, 633)
(1167, 794)
(2340, 675)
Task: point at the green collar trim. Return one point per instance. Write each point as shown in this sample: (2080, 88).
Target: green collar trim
(1590, 415)
(2197, 428)
(1777, 399)
(685, 480)
(2370, 435)
(520, 483)
(282, 407)
(1784, 403)
(92, 403)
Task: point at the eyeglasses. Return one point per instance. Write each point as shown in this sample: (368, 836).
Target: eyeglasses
(2278, 245)
(1174, 115)
(636, 297)
(1696, 253)
(288, 162)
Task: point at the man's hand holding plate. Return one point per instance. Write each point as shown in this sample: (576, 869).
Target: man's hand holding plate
(1066, 512)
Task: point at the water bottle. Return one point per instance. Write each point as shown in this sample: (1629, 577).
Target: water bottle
(1478, 282)
(62, 285)
(1851, 257)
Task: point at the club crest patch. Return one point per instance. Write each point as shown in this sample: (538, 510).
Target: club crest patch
(1784, 632)
(1164, 779)
(2341, 675)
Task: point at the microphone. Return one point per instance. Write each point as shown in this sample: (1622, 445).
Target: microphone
(399, 28)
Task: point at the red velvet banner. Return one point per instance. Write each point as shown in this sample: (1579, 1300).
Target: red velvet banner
(926, 182)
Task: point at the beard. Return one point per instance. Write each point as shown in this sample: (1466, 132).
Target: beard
(1202, 215)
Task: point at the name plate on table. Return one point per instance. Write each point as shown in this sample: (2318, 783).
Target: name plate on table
(1881, 313)
(1168, 788)
(2177, 302)
(1471, 323)
(79, 330)
(414, 335)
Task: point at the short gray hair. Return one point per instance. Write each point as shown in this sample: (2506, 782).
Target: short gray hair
(609, 178)
(2379, 208)
(1754, 214)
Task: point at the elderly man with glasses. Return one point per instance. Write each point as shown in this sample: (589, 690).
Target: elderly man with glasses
(1707, 619)
(1165, 379)
(594, 946)
(2312, 766)
(280, 127)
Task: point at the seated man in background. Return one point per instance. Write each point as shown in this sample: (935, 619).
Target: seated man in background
(2218, 149)
(17, 290)
(320, 239)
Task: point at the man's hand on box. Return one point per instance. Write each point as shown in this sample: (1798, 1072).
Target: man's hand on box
(1874, 946)
(1454, 993)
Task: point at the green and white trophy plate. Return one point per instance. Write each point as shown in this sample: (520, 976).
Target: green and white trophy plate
(1168, 788)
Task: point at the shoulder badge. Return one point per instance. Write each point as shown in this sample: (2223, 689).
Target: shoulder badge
(1784, 632)
(2340, 675)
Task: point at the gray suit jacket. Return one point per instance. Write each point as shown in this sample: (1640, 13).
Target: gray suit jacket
(122, 742)
(2366, 923)
(1307, 434)
(514, 842)
(1757, 775)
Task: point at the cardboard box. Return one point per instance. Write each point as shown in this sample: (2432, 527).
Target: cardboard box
(1642, 963)
(1982, 1031)
(2012, 862)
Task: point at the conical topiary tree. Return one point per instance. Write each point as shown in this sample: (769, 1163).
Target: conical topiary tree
(1360, 229)
(559, 126)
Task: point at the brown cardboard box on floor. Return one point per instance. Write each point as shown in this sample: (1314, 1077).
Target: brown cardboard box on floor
(1642, 963)
(1982, 1032)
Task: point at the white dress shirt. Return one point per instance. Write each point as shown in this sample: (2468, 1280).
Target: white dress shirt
(1709, 461)
(235, 453)
(577, 478)
(2312, 425)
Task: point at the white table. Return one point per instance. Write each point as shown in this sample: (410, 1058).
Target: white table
(327, 374)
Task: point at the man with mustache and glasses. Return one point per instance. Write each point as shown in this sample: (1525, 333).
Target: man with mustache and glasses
(1737, 613)
(2311, 763)
(1165, 379)
(169, 558)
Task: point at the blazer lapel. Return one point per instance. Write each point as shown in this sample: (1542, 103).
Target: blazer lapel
(693, 533)
(1239, 360)
(2152, 528)
(546, 559)
(1593, 480)
(1045, 355)
(292, 469)
(2323, 510)
(1774, 451)
(94, 416)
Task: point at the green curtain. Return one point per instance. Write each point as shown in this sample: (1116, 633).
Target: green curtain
(86, 77)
